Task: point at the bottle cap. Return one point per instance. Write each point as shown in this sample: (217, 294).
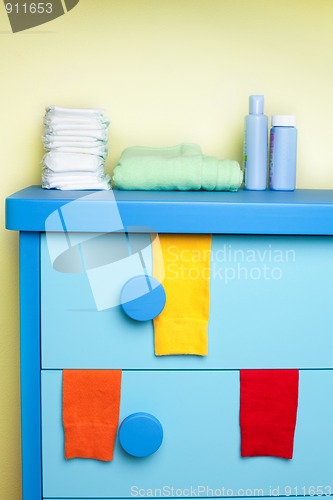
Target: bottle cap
(256, 104)
(283, 121)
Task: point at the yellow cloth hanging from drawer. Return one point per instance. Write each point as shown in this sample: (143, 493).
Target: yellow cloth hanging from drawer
(184, 262)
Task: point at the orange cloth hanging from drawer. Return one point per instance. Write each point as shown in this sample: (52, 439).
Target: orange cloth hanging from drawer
(268, 410)
(182, 327)
(90, 410)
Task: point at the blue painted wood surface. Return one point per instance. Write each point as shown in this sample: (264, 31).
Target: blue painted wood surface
(304, 211)
(30, 365)
(199, 412)
(270, 308)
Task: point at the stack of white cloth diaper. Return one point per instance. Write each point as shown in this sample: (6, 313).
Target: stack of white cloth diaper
(76, 144)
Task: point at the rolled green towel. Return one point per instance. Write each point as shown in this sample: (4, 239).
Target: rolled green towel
(181, 168)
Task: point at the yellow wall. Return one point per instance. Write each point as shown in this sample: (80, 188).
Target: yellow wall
(166, 71)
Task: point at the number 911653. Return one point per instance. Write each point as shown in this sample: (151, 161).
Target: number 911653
(29, 8)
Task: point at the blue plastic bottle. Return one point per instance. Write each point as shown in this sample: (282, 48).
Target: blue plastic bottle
(283, 151)
(256, 145)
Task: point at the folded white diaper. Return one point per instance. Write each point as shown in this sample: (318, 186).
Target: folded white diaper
(98, 150)
(48, 137)
(74, 111)
(72, 177)
(73, 162)
(76, 185)
(54, 144)
(81, 126)
(75, 180)
(100, 134)
(55, 119)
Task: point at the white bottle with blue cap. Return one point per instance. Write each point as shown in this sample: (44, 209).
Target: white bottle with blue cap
(256, 145)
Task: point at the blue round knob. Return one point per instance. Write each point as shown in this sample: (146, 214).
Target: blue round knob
(142, 298)
(140, 434)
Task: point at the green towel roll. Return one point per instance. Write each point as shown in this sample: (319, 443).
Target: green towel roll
(181, 168)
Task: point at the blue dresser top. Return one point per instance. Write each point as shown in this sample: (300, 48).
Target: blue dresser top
(304, 211)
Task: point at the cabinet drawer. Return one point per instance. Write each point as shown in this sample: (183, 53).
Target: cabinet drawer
(269, 308)
(199, 412)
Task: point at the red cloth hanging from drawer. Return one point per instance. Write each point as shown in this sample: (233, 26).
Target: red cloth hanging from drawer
(268, 409)
(90, 410)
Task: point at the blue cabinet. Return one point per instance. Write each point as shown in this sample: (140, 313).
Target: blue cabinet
(271, 275)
